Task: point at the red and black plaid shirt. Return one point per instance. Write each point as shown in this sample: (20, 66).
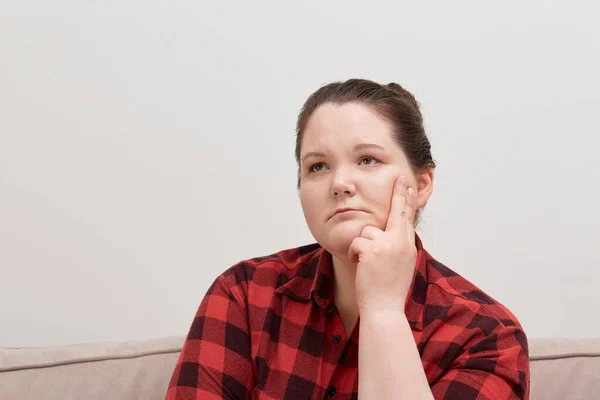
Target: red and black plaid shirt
(268, 329)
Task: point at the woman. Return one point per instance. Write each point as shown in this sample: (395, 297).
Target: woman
(287, 326)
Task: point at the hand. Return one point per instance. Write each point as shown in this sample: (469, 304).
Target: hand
(386, 258)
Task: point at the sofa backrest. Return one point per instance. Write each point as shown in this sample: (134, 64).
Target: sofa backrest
(565, 369)
(117, 371)
(560, 369)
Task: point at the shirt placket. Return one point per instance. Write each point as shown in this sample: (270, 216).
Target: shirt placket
(341, 351)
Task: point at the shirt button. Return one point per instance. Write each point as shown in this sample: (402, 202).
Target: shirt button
(336, 339)
(331, 391)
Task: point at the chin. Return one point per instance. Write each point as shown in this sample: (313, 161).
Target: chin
(338, 241)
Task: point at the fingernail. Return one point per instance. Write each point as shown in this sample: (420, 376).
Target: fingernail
(410, 191)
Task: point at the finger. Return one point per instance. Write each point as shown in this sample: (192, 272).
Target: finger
(397, 217)
(370, 232)
(358, 246)
(411, 195)
(410, 205)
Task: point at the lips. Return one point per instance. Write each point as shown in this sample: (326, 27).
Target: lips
(342, 210)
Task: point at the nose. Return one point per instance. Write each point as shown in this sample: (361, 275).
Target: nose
(341, 185)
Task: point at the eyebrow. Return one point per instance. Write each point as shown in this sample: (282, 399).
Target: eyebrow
(359, 146)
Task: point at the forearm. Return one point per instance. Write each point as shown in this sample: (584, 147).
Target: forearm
(389, 363)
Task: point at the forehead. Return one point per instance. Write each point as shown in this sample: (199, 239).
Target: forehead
(350, 123)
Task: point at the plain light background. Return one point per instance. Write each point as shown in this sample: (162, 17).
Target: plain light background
(147, 146)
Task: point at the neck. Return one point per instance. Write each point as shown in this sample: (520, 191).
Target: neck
(345, 287)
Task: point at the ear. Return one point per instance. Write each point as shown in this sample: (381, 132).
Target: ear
(424, 187)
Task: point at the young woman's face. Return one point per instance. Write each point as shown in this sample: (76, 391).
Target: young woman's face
(349, 159)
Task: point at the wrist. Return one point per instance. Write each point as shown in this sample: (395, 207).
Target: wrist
(382, 314)
(382, 307)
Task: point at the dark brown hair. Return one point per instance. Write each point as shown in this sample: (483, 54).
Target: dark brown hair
(398, 106)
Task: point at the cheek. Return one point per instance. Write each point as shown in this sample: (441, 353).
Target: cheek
(309, 204)
(304, 202)
(379, 195)
(380, 188)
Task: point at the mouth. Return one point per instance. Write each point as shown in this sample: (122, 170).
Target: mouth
(343, 211)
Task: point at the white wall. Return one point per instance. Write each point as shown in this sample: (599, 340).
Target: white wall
(147, 146)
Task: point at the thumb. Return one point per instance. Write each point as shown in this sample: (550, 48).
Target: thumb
(358, 246)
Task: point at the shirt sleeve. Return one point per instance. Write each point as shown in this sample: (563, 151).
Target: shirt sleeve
(215, 361)
(492, 368)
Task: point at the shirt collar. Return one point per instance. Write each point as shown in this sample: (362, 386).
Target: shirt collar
(315, 280)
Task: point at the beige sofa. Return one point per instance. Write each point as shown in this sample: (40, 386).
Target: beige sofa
(560, 369)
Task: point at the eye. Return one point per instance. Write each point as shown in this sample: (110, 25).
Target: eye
(316, 167)
(368, 160)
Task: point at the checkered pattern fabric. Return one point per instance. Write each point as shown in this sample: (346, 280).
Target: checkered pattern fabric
(268, 329)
